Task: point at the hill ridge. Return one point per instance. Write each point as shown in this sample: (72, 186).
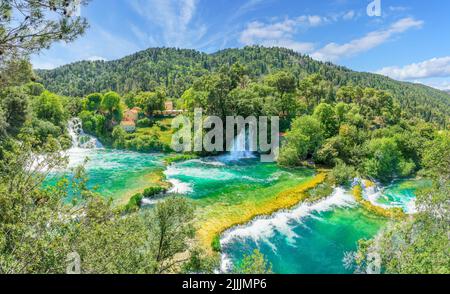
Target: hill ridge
(177, 69)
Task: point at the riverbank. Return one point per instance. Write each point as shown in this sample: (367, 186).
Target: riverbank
(153, 179)
(394, 213)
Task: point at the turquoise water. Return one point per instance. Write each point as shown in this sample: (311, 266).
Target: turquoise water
(113, 173)
(401, 194)
(312, 238)
(315, 238)
(303, 240)
(200, 179)
(306, 240)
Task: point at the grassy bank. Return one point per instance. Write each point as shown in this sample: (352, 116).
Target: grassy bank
(178, 158)
(155, 178)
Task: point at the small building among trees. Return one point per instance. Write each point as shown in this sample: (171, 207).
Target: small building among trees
(169, 109)
(131, 114)
(128, 126)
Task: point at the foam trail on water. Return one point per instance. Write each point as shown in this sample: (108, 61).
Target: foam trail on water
(179, 187)
(208, 162)
(261, 229)
(374, 194)
(217, 174)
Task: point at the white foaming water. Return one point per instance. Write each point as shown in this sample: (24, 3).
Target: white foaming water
(77, 156)
(79, 138)
(241, 148)
(198, 172)
(208, 162)
(82, 144)
(261, 229)
(179, 187)
(374, 194)
(411, 207)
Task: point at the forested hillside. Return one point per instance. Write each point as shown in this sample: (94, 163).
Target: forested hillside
(177, 69)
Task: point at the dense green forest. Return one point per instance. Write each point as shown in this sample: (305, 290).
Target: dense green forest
(176, 70)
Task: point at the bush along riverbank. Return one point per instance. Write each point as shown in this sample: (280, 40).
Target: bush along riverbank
(151, 192)
(157, 186)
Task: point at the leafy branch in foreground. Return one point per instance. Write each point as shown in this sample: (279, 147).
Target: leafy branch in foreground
(27, 26)
(39, 229)
(254, 263)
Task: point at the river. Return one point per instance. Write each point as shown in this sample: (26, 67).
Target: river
(310, 238)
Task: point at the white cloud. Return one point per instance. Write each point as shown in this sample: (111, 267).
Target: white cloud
(334, 51)
(440, 85)
(398, 8)
(97, 44)
(281, 33)
(349, 15)
(249, 5)
(175, 18)
(435, 67)
(96, 58)
(41, 62)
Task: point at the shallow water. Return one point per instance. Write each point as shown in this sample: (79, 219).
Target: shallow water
(200, 179)
(113, 173)
(311, 238)
(401, 194)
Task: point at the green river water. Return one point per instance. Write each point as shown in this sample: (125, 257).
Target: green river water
(310, 238)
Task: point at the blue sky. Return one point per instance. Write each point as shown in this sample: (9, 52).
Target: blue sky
(409, 41)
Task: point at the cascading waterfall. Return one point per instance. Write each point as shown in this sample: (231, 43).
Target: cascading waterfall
(79, 138)
(241, 148)
(83, 145)
(383, 197)
(262, 229)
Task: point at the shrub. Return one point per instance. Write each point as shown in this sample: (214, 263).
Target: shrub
(161, 125)
(215, 244)
(342, 174)
(134, 203)
(144, 123)
(288, 156)
(151, 192)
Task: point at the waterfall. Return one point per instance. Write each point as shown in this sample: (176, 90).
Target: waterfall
(79, 138)
(241, 148)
